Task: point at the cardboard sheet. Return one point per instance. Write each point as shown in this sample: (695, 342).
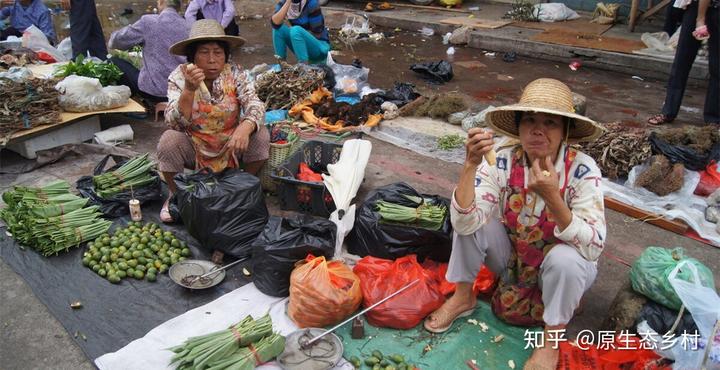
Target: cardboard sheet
(576, 25)
(589, 41)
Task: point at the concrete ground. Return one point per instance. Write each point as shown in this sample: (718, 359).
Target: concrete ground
(30, 338)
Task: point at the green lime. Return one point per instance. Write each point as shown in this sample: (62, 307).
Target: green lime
(166, 260)
(122, 274)
(132, 263)
(151, 277)
(102, 272)
(130, 272)
(185, 252)
(86, 261)
(181, 259)
(140, 268)
(127, 255)
(113, 257)
(142, 260)
(105, 258)
(173, 260)
(163, 268)
(96, 268)
(92, 263)
(122, 266)
(139, 275)
(157, 263)
(152, 270)
(114, 278)
(114, 250)
(105, 250)
(136, 254)
(175, 243)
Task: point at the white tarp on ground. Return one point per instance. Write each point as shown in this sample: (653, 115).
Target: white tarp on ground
(682, 205)
(150, 352)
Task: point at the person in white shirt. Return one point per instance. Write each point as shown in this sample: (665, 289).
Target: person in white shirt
(535, 217)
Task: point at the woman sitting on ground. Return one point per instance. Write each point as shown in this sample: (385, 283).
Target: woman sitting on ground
(307, 38)
(219, 127)
(535, 218)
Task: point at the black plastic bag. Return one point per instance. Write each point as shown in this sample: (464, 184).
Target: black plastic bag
(117, 205)
(681, 154)
(370, 237)
(401, 94)
(661, 319)
(285, 242)
(224, 211)
(440, 71)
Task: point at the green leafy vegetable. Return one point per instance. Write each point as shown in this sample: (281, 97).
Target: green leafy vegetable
(108, 73)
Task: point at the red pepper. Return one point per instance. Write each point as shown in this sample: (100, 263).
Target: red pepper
(307, 174)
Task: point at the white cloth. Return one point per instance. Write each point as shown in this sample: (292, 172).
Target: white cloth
(583, 196)
(150, 352)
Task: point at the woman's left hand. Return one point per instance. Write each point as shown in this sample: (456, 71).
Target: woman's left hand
(544, 182)
(241, 137)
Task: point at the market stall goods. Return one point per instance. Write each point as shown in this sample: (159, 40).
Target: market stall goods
(619, 149)
(423, 213)
(347, 117)
(291, 85)
(49, 219)
(108, 74)
(662, 177)
(136, 251)
(26, 104)
(135, 173)
(376, 359)
(694, 147)
(18, 57)
(242, 346)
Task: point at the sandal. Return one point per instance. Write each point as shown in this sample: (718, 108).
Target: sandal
(701, 33)
(659, 119)
(165, 215)
(444, 316)
(369, 7)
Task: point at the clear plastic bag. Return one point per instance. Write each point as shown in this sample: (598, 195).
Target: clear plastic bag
(555, 12)
(35, 40)
(348, 79)
(85, 94)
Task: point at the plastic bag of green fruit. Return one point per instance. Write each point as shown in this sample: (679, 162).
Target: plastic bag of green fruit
(139, 251)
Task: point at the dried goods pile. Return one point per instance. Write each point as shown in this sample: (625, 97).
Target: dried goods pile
(50, 219)
(350, 114)
(27, 104)
(619, 149)
(19, 57)
(699, 139)
(662, 177)
(289, 86)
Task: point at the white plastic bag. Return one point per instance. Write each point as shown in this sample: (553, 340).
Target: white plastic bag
(555, 12)
(348, 79)
(65, 48)
(703, 304)
(85, 94)
(35, 40)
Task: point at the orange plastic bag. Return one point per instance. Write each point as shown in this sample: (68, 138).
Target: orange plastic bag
(709, 180)
(322, 293)
(379, 278)
(484, 283)
(615, 357)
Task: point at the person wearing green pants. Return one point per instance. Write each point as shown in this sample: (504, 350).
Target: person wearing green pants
(306, 35)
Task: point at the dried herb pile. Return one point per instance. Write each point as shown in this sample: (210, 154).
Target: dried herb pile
(282, 90)
(27, 104)
(699, 139)
(662, 177)
(619, 149)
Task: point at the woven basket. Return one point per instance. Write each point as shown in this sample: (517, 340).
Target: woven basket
(278, 154)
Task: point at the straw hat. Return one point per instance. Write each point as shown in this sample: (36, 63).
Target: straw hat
(206, 30)
(544, 95)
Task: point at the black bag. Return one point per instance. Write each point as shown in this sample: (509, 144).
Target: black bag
(440, 71)
(117, 205)
(285, 242)
(401, 94)
(224, 211)
(681, 154)
(661, 319)
(370, 237)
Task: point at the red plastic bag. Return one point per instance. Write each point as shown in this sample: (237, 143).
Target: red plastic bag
(484, 283)
(307, 174)
(322, 293)
(379, 278)
(709, 180)
(623, 354)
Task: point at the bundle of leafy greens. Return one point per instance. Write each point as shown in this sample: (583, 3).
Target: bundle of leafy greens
(108, 73)
(135, 173)
(425, 215)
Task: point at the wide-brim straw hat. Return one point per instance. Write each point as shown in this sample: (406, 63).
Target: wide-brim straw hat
(206, 30)
(544, 95)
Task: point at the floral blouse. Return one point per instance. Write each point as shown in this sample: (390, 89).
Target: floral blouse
(583, 195)
(214, 118)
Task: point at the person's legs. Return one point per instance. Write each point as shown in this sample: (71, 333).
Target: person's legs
(564, 277)
(81, 26)
(130, 74)
(673, 18)
(281, 41)
(258, 151)
(490, 246)
(306, 47)
(712, 98)
(684, 58)
(175, 152)
(98, 46)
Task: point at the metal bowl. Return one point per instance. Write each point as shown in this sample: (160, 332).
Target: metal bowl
(186, 268)
(327, 352)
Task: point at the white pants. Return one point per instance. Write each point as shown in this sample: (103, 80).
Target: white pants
(564, 274)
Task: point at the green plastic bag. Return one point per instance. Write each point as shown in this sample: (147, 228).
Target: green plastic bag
(649, 274)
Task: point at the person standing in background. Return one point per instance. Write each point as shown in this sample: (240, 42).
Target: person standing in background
(222, 11)
(85, 30)
(26, 13)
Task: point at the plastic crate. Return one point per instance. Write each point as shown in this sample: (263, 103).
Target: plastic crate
(307, 197)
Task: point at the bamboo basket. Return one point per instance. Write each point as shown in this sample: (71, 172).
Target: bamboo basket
(278, 154)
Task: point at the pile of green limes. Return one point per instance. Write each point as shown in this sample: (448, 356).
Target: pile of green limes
(376, 361)
(137, 251)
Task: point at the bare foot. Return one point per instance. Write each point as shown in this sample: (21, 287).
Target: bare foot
(452, 309)
(165, 216)
(543, 358)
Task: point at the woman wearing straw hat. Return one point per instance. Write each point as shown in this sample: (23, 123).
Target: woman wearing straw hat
(535, 217)
(216, 119)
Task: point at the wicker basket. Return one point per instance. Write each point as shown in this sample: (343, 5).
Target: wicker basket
(278, 154)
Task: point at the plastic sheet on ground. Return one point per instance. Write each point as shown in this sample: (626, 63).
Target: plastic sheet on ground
(464, 341)
(149, 352)
(681, 205)
(112, 315)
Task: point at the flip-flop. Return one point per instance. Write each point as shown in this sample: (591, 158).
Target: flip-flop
(701, 33)
(659, 119)
(165, 215)
(445, 328)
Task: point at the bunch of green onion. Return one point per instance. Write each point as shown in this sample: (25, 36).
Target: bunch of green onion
(228, 349)
(134, 173)
(49, 219)
(424, 215)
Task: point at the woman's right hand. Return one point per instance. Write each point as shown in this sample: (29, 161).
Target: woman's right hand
(193, 75)
(479, 142)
